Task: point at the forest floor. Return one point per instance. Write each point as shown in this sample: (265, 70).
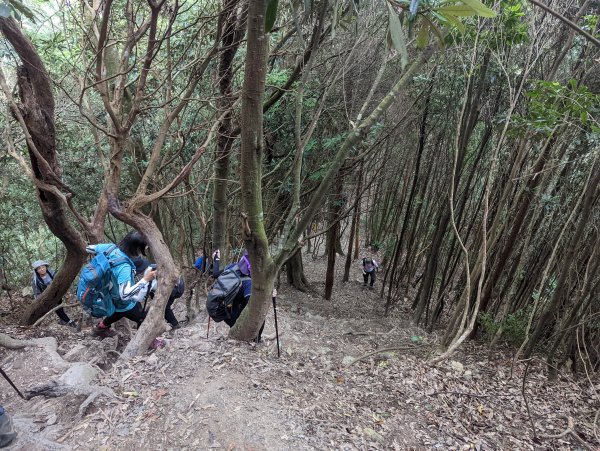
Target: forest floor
(215, 393)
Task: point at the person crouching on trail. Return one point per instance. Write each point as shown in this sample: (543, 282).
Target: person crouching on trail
(42, 277)
(242, 298)
(126, 293)
(141, 264)
(369, 268)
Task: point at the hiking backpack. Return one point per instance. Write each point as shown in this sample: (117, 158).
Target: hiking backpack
(93, 288)
(222, 293)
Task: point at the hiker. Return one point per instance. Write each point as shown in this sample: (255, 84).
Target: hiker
(369, 268)
(126, 293)
(140, 266)
(242, 298)
(42, 277)
(7, 430)
(200, 263)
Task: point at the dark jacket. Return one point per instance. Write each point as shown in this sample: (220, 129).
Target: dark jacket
(38, 285)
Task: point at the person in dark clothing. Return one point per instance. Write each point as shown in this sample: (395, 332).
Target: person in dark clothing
(369, 268)
(7, 430)
(140, 265)
(243, 296)
(127, 294)
(200, 263)
(42, 277)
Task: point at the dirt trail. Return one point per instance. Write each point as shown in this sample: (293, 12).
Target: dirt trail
(215, 393)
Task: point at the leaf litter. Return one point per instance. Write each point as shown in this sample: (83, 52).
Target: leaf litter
(334, 387)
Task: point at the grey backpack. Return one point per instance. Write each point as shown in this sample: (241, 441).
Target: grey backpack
(221, 295)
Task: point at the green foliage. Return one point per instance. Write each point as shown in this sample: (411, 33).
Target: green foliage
(512, 18)
(589, 23)
(551, 104)
(429, 19)
(271, 15)
(277, 76)
(513, 326)
(24, 236)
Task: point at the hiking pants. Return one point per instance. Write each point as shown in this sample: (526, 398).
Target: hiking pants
(136, 314)
(62, 314)
(169, 315)
(366, 276)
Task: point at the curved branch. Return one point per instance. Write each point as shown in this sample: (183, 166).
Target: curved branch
(569, 23)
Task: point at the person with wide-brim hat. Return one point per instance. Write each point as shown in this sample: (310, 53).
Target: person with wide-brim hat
(42, 277)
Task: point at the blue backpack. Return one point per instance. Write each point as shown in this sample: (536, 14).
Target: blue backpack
(93, 288)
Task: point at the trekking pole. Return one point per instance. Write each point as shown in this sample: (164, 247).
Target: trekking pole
(208, 328)
(276, 327)
(11, 383)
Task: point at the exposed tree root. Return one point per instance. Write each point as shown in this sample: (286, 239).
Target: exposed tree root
(48, 343)
(52, 311)
(55, 389)
(76, 379)
(570, 430)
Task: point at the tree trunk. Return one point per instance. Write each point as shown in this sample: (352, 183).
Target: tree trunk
(352, 241)
(37, 113)
(154, 323)
(230, 43)
(263, 269)
(294, 269)
(562, 283)
(330, 274)
(333, 231)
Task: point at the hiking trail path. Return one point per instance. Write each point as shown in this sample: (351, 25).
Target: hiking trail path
(215, 393)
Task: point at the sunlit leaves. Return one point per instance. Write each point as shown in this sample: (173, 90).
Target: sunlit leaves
(479, 8)
(429, 19)
(397, 35)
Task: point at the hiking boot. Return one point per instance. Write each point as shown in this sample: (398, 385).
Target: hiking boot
(371, 287)
(72, 324)
(7, 430)
(103, 332)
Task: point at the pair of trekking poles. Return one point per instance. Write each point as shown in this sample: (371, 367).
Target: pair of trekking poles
(276, 325)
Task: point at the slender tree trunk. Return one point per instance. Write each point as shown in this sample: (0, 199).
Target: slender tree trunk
(230, 43)
(154, 324)
(333, 232)
(353, 228)
(294, 269)
(562, 282)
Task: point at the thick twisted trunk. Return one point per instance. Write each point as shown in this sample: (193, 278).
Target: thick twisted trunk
(36, 116)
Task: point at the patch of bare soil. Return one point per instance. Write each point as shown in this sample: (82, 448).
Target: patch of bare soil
(324, 392)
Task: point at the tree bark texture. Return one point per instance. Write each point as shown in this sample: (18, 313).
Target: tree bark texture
(255, 237)
(37, 110)
(230, 43)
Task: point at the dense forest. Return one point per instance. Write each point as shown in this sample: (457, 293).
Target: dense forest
(454, 141)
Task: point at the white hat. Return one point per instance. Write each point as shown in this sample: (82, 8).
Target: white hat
(36, 264)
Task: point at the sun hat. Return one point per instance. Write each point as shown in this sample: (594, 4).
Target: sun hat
(36, 264)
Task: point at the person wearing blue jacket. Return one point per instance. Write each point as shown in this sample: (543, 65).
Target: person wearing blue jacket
(127, 294)
(200, 263)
